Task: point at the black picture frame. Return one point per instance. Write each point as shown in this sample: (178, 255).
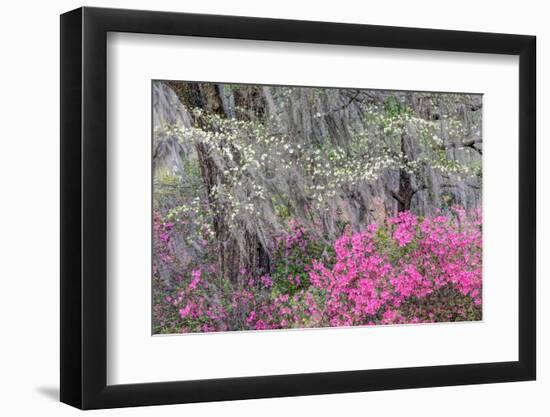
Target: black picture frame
(84, 207)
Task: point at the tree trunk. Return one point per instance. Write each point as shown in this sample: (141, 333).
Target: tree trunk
(231, 256)
(406, 191)
(206, 97)
(256, 258)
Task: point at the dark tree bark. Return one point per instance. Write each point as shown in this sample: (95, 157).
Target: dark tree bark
(406, 191)
(251, 102)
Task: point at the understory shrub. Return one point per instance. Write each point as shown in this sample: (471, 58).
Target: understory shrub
(406, 270)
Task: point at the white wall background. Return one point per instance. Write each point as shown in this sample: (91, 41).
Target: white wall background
(29, 225)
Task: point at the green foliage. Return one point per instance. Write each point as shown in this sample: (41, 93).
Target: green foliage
(291, 270)
(394, 108)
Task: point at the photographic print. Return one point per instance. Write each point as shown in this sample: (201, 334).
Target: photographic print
(283, 207)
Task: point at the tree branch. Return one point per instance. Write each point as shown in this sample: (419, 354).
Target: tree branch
(467, 143)
(396, 195)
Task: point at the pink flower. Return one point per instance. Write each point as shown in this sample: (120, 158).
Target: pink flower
(184, 312)
(196, 274)
(260, 325)
(266, 281)
(406, 227)
(251, 317)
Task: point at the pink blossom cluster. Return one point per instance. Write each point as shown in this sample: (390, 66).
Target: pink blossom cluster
(435, 254)
(405, 227)
(295, 237)
(195, 304)
(408, 270)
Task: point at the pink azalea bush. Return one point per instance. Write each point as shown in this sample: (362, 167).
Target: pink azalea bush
(381, 279)
(407, 270)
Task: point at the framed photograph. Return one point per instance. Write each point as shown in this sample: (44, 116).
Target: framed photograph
(257, 208)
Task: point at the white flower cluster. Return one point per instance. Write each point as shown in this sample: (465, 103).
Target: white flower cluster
(258, 161)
